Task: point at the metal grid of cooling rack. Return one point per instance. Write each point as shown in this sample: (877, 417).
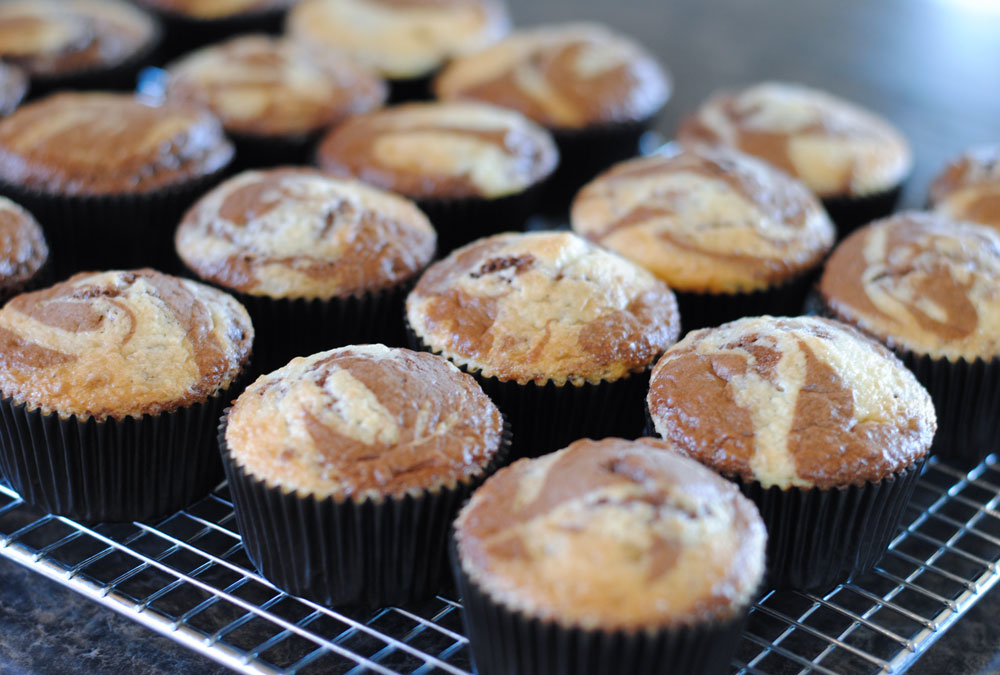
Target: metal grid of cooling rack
(188, 578)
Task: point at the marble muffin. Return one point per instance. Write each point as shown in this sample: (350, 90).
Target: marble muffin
(927, 286)
(560, 332)
(842, 152)
(116, 381)
(23, 251)
(362, 455)
(605, 538)
(13, 87)
(968, 188)
(807, 414)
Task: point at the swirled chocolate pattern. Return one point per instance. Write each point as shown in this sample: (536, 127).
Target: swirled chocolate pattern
(13, 87)
(399, 39)
(449, 150)
(216, 9)
(969, 187)
(301, 233)
(835, 147)
(922, 283)
(59, 37)
(98, 143)
(121, 344)
(23, 250)
(545, 306)
(364, 421)
(791, 402)
(613, 535)
(706, 221)
(265, 86)
(562, 76)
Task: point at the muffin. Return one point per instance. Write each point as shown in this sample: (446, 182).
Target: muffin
(13, 87)
(607, 556)
(823, 428)
(107, 176)
(852, 159)
(559, 332)
(112, 384)
(346, 468)
(968, 188)
(926, 286)
(23, 251)
(78, 44)
(731, 235)
(473, 168)
(405, 42)
(319, 262)
(273, 96)
(597, 91)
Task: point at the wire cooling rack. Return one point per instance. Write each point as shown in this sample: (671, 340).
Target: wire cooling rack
(188, 578)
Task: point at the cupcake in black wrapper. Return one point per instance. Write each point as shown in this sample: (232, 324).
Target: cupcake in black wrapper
(926, 285)
(318, 261)
(24, 254)
(853, 160)
(77, 44)
(609, 556)
(273, 96)
(559, 332)
(404, 42)
(473, 168)
(729, 234)
(347, 467)
(109, 188)
(822, 427)
(595, 113)
(111, 385)
(968, 187)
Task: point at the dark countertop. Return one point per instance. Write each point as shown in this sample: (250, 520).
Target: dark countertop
(931, 66)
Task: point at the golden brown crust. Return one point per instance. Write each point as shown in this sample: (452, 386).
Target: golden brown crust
(564, 76)
(23, 250)
(441, 150)
(920, 282)
(541, 307)
(613, 535)
(833, 146)
(792, 402)
(364, 422)
(706, 220)
(968, 188)
(121, 344)
(301, 233)
(265, 86)
(100, 143)
(13, 87)
(53, 38)
(208, 10)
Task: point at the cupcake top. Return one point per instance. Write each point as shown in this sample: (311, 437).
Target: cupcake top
(441, 150)
(265, 86)
(835, 147)
(364, 422)
(613, 535)
(13, 87)
(706, 220)
(544, 306)
(921, 283)
(400, 39)
(22, 247)
(564, 76)
(99, 143)
(121, 344)
(300, 233)
(216, 9)
(791, 402)
(54, 38)
(969, 187)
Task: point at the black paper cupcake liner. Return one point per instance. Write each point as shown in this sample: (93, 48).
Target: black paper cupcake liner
(115, 231)
(504, 642)
(549, 417)
(850, 213)
(263, 152)
(703, 310)
(367, 554)
(136, 468)
(186, 33)
(402, 90)
(818, 538)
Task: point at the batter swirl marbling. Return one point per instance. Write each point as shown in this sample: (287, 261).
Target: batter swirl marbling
(969, 187)
(23, 250)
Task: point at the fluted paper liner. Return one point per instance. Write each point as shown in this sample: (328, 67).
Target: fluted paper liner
(704, 310)
(850, 213)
